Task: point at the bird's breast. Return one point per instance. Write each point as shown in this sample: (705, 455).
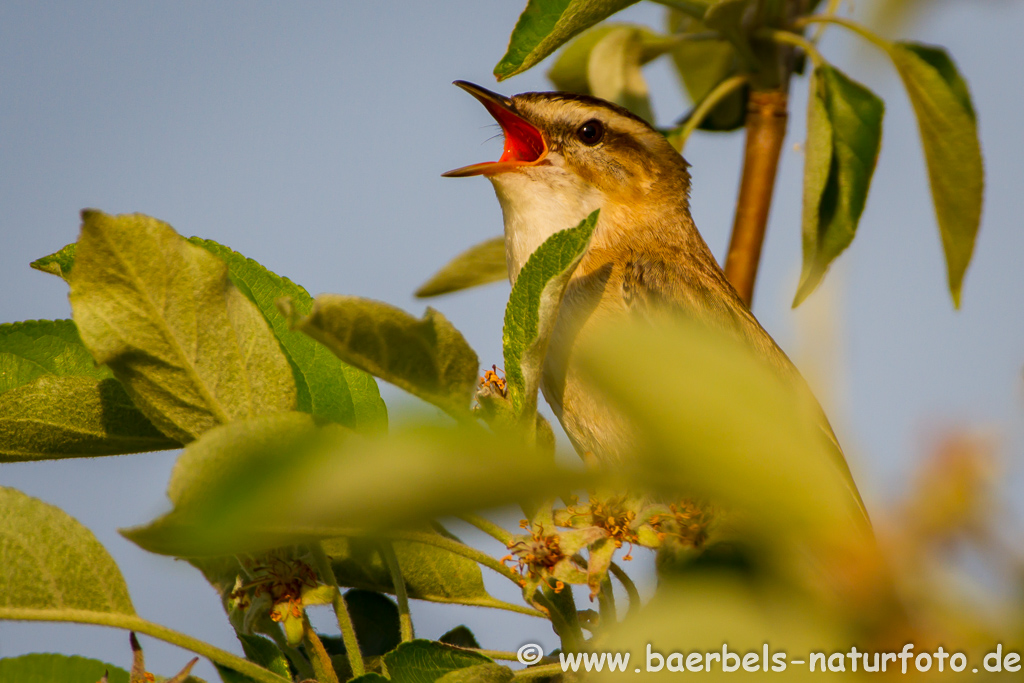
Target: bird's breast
(536, 203)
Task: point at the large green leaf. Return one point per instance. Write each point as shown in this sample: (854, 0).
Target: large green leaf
(702, 65)
(430, 573)
(479, 265)
(533, 308)
(51, 563)
(719, 614)
(34, 348)
(55, 402)
(427, 357)
(327, 387)
(70, 417)
(844, 133)
(189, 348)
(722, 425)
(605, 61)
(952, 150)
(426, 661)
(545, 25)
(54, 668)
(280, 479)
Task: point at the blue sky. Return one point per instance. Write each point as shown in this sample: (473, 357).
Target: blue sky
(311, 137)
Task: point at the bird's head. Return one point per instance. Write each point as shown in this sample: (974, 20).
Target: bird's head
(566, 155)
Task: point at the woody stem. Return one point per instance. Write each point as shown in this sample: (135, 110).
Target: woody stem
(766, 129)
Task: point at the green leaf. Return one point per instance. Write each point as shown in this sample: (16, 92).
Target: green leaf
(58, 263)
(545, 25)
(844, 133)
(370, 678)
(952, 150)
(264, 652)
(702, 65)
(480, 673)
(614, 73)
(533, 308)
(326, 386)
(460, 636)
(54, 668)
(720, 424)
(375, 619)
(280, 480)
(425, 661)
(52, 563)
(34, 348)
(189, 348)
(427, 357)
(479, 265)
(70, 417)
(605, 61)
(430, 573)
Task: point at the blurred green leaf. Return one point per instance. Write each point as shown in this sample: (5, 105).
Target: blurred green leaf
(279, 480)
(702, 65)
(58, 263)
(844, 133)
(479, 265)
(479, 673)
(34, 348)
(186, 345)
(426, 661)
(545, 25)
(370, 678)
(54, 668)
(721, 425)
(605, 61)
(70, 417)
(614, 74)
(952, 150)
(427, 357)
(533, 308)
(52, 564)
(327, 387)
(705, 614)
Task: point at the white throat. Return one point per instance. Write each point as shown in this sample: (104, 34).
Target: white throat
(538, 202)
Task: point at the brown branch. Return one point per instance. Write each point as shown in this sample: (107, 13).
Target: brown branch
(766, 129)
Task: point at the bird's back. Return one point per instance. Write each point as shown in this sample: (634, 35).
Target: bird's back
(638, 275)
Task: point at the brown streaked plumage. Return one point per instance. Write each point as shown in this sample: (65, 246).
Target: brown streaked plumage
(566, 155)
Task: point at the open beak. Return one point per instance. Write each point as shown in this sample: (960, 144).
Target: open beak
(524, 144)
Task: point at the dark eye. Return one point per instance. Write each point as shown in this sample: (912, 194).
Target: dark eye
(591, 132)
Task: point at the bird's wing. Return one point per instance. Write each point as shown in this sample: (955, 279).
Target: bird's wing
(656, 282)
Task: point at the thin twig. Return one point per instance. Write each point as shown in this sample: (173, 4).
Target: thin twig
(679, 136)
(488, 527)
(799, 41)
(322, 666)
(627, 583)
(348, 630)
(544, 671)
(861, 30)
(398, 581)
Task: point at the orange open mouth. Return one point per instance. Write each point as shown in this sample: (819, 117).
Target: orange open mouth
(524, 144)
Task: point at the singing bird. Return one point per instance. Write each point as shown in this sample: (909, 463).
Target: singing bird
(566, 155)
